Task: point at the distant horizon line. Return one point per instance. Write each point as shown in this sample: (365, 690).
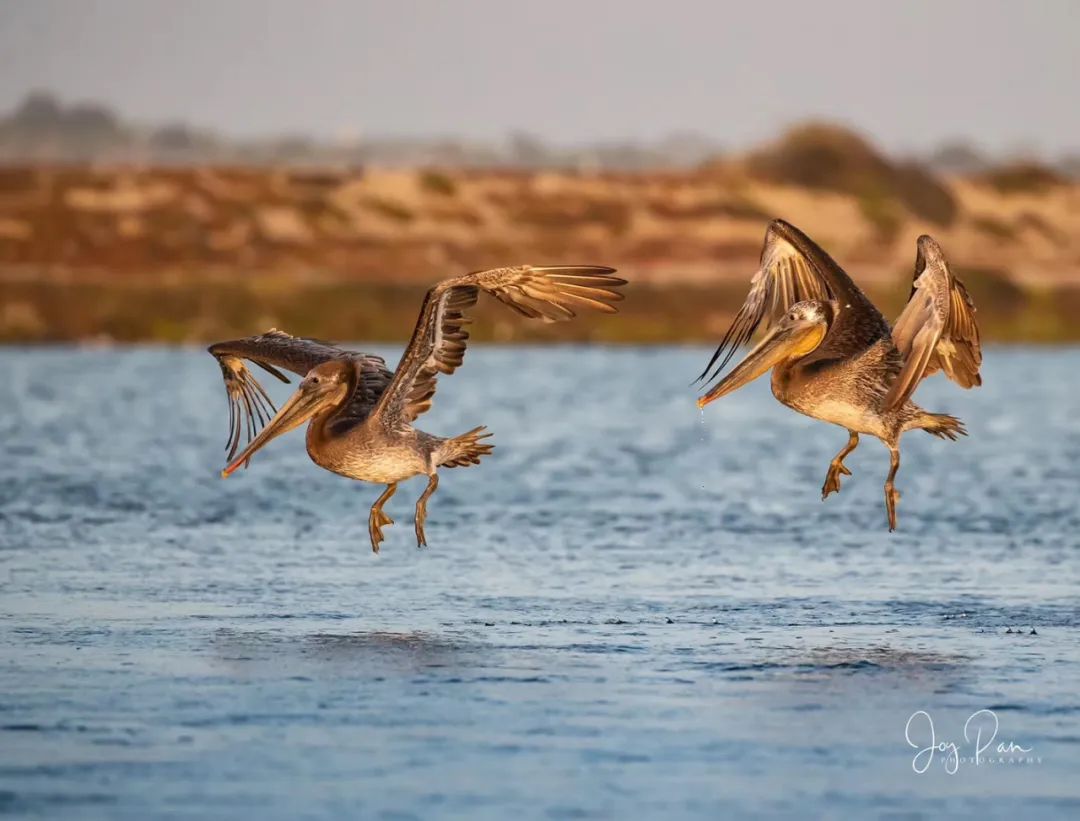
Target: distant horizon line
(699, 139)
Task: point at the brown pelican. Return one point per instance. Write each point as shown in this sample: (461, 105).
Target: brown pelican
(362, 413)
(833, 355)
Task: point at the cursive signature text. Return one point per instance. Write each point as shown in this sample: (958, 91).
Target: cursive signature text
(980, 732)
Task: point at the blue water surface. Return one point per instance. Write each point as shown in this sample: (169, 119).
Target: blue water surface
(631, 609)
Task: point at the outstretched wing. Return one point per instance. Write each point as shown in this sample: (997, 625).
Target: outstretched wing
(795, 268)
(551, 293)
(249, 405)
(936, 330)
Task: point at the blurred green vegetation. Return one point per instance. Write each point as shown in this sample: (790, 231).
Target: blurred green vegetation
(438, 182)
(828, 157)
(184, 312)
(1025, 177)
(388, 208)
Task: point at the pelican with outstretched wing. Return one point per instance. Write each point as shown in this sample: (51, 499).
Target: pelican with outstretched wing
(833, 355)
(361, 414)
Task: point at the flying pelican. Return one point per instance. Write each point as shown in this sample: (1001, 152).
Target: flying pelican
(362, 413)
(833, 355)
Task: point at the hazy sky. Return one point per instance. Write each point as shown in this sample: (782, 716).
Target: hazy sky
(1006, 74)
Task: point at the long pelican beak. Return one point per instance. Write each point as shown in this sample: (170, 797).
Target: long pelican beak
(301, 406)
(779, 344)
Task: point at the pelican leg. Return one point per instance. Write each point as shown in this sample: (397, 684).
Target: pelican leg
(421, 509)
(836, 467)
(892, 495)
(377, 519)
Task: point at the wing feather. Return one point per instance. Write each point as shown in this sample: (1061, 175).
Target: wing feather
(794, 268)
(551, 293)
(937, 329)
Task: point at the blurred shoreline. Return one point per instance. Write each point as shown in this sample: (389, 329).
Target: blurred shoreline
(130, 253)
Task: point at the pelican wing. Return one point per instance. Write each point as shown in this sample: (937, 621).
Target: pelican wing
(936, 330)
(250, 407)
(551, 293)
(795, 268)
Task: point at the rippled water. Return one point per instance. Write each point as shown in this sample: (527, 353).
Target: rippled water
(629, 610)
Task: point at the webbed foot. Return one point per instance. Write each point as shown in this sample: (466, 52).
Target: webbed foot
(832, 479)
(892, 496)
(421, 509)
(377, 519)
(376, 522)
(421, 516)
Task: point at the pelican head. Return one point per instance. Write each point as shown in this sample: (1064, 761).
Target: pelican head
(326, 386)
(793, 337)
